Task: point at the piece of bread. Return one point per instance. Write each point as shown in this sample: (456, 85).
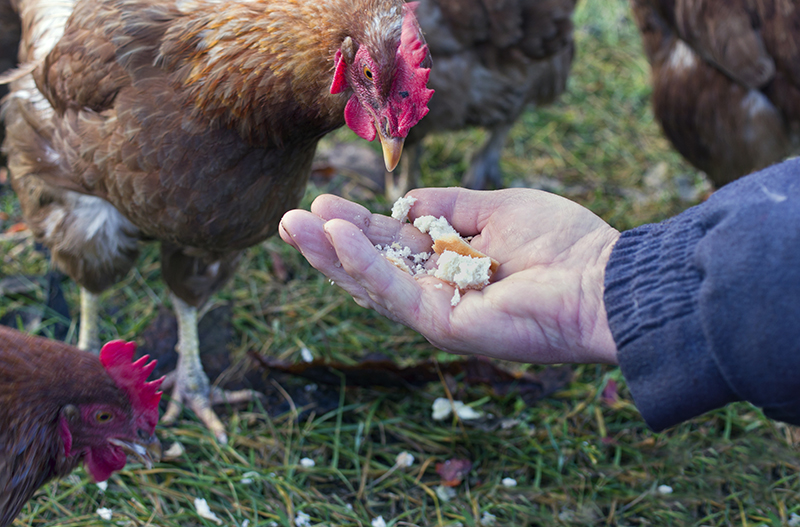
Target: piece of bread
(457, 244)
(464, 272)
(459, 264)
(401, 207)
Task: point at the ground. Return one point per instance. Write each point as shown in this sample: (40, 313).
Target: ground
(580, 456)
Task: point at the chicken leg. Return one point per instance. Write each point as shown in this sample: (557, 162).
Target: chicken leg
(189, 382)
(89, 332)
(484, 167)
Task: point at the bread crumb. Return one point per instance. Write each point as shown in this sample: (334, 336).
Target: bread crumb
(204, 511)
(397, 255)
(436, 227)
(456, 297)
(465, 272)
(402, 258)
(459, 263)
(401, 207)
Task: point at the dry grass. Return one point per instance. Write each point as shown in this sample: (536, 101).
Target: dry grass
(576, 459)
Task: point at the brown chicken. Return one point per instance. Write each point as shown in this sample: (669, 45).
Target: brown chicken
(726, 80)
(491, 59)
(194, 123)
(9, 44)
(60, 406)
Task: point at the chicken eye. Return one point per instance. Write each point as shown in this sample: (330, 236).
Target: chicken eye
(367, 72)
(103, 417)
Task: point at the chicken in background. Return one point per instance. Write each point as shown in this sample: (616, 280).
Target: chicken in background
(9, 45)
(726, 80)
(194, 123)
(491, 59)
(60, 406)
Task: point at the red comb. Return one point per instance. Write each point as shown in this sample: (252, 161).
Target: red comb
(411, 54)
(410, 36)
(131, 377)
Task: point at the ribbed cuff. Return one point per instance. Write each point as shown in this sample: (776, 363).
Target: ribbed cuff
(651, 290)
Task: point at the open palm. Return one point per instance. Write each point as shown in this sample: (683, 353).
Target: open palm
(544, 304)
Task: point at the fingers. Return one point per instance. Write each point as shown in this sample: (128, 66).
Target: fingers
(341, 248)
(342, 251)
(394, 293)
(380, 229)
(328, 207)
(303, 231)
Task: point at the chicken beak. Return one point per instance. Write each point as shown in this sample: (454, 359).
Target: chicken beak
(146, 452)
(392, 148)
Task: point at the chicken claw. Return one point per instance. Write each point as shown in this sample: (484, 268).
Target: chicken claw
(190, 385)
(201, 404)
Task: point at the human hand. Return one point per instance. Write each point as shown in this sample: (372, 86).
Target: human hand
(543, 305)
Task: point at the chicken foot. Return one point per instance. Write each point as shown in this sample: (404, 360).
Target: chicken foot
(189, 383)
(89, 332)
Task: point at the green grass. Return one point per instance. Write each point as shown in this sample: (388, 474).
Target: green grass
(576, 459)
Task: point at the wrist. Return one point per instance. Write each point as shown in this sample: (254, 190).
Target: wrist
(599, 344)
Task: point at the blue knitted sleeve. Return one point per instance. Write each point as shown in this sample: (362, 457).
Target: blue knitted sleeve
(705, 307)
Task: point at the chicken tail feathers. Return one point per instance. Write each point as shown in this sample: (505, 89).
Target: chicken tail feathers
(15, 74)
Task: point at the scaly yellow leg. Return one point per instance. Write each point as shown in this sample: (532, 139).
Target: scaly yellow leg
(190, 382)
(89, 332)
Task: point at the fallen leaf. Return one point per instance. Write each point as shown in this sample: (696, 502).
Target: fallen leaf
(453, 471)
(17, 227)
(610, 396)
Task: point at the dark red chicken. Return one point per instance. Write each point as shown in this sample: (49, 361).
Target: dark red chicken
(60, 406)
(194, 123)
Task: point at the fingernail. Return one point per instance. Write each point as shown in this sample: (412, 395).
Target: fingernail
(327, 234)
(286, 235)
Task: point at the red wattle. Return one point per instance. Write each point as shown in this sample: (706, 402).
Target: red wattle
(101, 463)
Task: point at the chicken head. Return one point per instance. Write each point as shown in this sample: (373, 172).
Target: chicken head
(390, 93)
(107, 432)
